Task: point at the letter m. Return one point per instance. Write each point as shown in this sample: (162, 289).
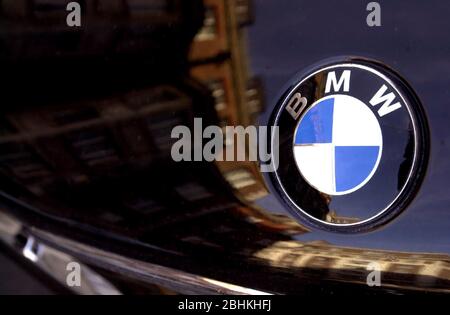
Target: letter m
(332, 81)
(387, 100)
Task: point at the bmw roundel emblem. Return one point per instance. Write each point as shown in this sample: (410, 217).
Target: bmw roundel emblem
(353, 145)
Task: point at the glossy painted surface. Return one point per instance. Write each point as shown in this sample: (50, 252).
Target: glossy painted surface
(417, 50)
(87, 155)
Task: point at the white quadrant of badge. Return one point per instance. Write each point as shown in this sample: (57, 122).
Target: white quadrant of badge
(338, 144)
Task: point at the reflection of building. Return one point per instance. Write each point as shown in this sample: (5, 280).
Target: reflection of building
(218, 58)
(108, 27)
(91, 137)
(73, 153)
(100, 160)
(95, 155)
(329, 262)
(334, 218)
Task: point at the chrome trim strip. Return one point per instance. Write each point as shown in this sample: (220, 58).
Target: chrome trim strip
(178, 281)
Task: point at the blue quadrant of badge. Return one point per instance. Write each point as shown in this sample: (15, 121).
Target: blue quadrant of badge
(353, 164)
(317, 124)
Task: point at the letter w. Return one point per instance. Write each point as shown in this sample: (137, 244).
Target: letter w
(387, 100)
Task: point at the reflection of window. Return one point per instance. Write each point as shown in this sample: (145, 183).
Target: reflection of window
(93, 147)
(240, 178)
(160, 127)
(321, 262)
(217, 89)
(143, 205)
(146, 7)
(209, 29)
(254, 97)
(244, 12)
(228, 142)
(23, 164)
(401, 268)
(193, 191)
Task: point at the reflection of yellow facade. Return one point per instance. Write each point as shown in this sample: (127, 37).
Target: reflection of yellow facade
(334, 218)
(398, 269)
(218, 55)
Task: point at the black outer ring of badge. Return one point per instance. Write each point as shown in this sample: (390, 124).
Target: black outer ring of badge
(422, 148)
